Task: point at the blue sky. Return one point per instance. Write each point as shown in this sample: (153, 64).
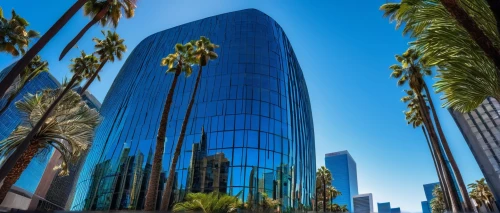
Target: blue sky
(344, 49)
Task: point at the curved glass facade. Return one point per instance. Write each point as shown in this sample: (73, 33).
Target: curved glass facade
(251, 130)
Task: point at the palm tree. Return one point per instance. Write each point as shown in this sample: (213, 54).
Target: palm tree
(412, 71)
(81, 66)
(213, 202)
(34, 68)
(467, 75)
(177, 62)
(324, 177)
(437, 203)
(481, 193)
(14, 38)
(69, 130)
(107, 49)
(204, 52)
(18, 68)
(108, 12)
(332, 193)
(413, 117)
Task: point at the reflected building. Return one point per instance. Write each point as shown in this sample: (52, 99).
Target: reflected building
(253, 105)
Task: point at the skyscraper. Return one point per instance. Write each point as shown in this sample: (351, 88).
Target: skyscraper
(253, 105)
(363, 203)
(428, 188)
(345, 179)
(480, 130)
(384, 207)
(426, 207)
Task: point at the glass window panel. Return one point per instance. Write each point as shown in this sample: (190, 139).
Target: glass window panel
(230, 109)
(229, 124)
(252, 157)
(220, 108)
(277, 127)
(248, 121)
(253, 139)
(228, 139)
(214, 123)
(256, 93)
(238, 159)
(262, 158)
(212, 140)
(256, 107)
(264, 124)
(220, 126)
(240, 121)
(239, 138)
(277, 143)
(239, 106)
(264, 109)
(248, 106)
(255, 122)
(277, 159)
(220, 139)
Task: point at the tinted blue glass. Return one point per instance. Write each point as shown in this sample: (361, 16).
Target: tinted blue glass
(384, 207)
(251, 100)
(343, 169)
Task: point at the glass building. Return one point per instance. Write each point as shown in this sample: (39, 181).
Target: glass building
(481, 130)
(11, 118)
(384, 207)
(426, 207)
(363, 203)
(396, 210)
(251, 130)
(345, 178)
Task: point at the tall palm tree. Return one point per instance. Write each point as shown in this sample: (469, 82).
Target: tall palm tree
(467, 75)
(412, 71)
(81, 66)
(107, 12)
(481, 193)
(14, 37)
(437, 203)
(204, 52)
(177, 62)
(324, 177)
(18, 68)
(69, 130)
(213, 202)
(413, 117)
(34, 68)
(107, 49)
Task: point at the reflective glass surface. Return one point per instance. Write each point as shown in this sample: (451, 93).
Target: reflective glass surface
(250, 132)
(11, 118)
(345, 178)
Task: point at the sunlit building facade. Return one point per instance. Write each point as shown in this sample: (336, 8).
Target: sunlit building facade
(481, 131)
(345, 177)
(250, 131)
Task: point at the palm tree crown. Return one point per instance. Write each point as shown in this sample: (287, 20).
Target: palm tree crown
(110, 47)
(183, 58)
(115, 11)
(213, 202)
(14, 38)
(84, 66)
(410, 70)
(69, 129)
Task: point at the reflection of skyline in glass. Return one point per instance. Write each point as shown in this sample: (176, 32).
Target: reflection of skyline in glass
(253, 105)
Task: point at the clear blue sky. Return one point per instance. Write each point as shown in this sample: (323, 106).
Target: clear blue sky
(344, 49)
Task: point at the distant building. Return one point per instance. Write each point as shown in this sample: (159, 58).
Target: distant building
(345, 179)
(426, 207)
(480, 129)
(384, 207)
(363, 203)
(396, 210)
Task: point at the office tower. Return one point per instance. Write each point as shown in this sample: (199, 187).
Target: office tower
(363, 203)
(480, 130)
(384, 207)
(253, 105)
(426, 207)
(345, 179)
(396, 210)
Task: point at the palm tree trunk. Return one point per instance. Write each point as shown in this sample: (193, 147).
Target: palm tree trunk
(33, 51)
(154, 179)
(20, 166)
(440, 157)
(23, 146)
(324, 194)
(82, 32)
(316, 202)
(474, 31)
(438, 169)
(495, 8)
(89, 81)
(14, 95)
(170, 180)
(446, 147)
